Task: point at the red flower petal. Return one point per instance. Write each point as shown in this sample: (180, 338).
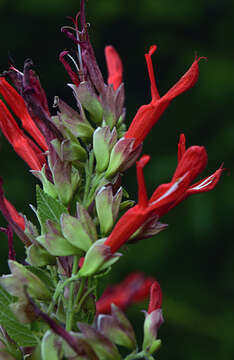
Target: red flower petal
(17, 104)
(16, 217)
(21, 144)
(155, 297)
(114, 66)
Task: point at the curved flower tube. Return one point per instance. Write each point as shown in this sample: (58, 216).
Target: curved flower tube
(166, 196)
(147, 115)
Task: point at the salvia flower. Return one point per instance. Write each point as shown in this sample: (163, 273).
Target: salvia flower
(166, 196)
(134, 288)
(147, 115)
(22, 144)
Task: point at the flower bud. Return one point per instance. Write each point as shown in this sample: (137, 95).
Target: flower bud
(54, 242)
(75, 232)
(103, 142)
(38, 256)
(66, 179)
(51, 346)
(117, 328)
(100, 344)
(76, 123)
(98, 258)
(123, 156)
(88, 99)
(68, 150)
(35, 286)
(151, 325)
(107, 206)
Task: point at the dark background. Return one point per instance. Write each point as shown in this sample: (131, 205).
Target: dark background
(193, 258)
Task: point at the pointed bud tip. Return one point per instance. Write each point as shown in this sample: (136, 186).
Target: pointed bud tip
(155, 297)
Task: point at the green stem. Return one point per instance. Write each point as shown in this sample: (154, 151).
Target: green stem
(79, 293)
(84, 298)
(88, 177)
(96, 181)
(61, 285)
(69, 314)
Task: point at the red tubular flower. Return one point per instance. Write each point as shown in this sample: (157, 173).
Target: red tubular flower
(147, 115)
(16, 217)
(135, 288)
(166, 196)
(114, 66)
(17, 104)
(22, 145)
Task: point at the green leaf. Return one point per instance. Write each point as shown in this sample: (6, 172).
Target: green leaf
(20, 333)
(48, 208)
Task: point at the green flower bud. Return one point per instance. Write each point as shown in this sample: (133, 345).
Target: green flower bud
(152, 323)
(35, 287)
(68, 150)
(103, 142)
(107, 206)
(89, 100)
(123, 155)
(117, 328)
(51, 346)
(54, 242)
(38, 256)
(76, 123)
(98, 258)
(75, 233)
(101, 345)
(66, 179)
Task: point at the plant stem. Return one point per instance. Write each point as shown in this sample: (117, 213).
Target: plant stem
(84, 297)
(79, 293)
(61, 285)
(69, 314)
(88, 176)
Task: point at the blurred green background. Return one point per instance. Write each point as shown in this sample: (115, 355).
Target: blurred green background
(193, 258)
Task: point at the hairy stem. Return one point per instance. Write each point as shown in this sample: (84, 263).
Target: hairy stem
(69, 314)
